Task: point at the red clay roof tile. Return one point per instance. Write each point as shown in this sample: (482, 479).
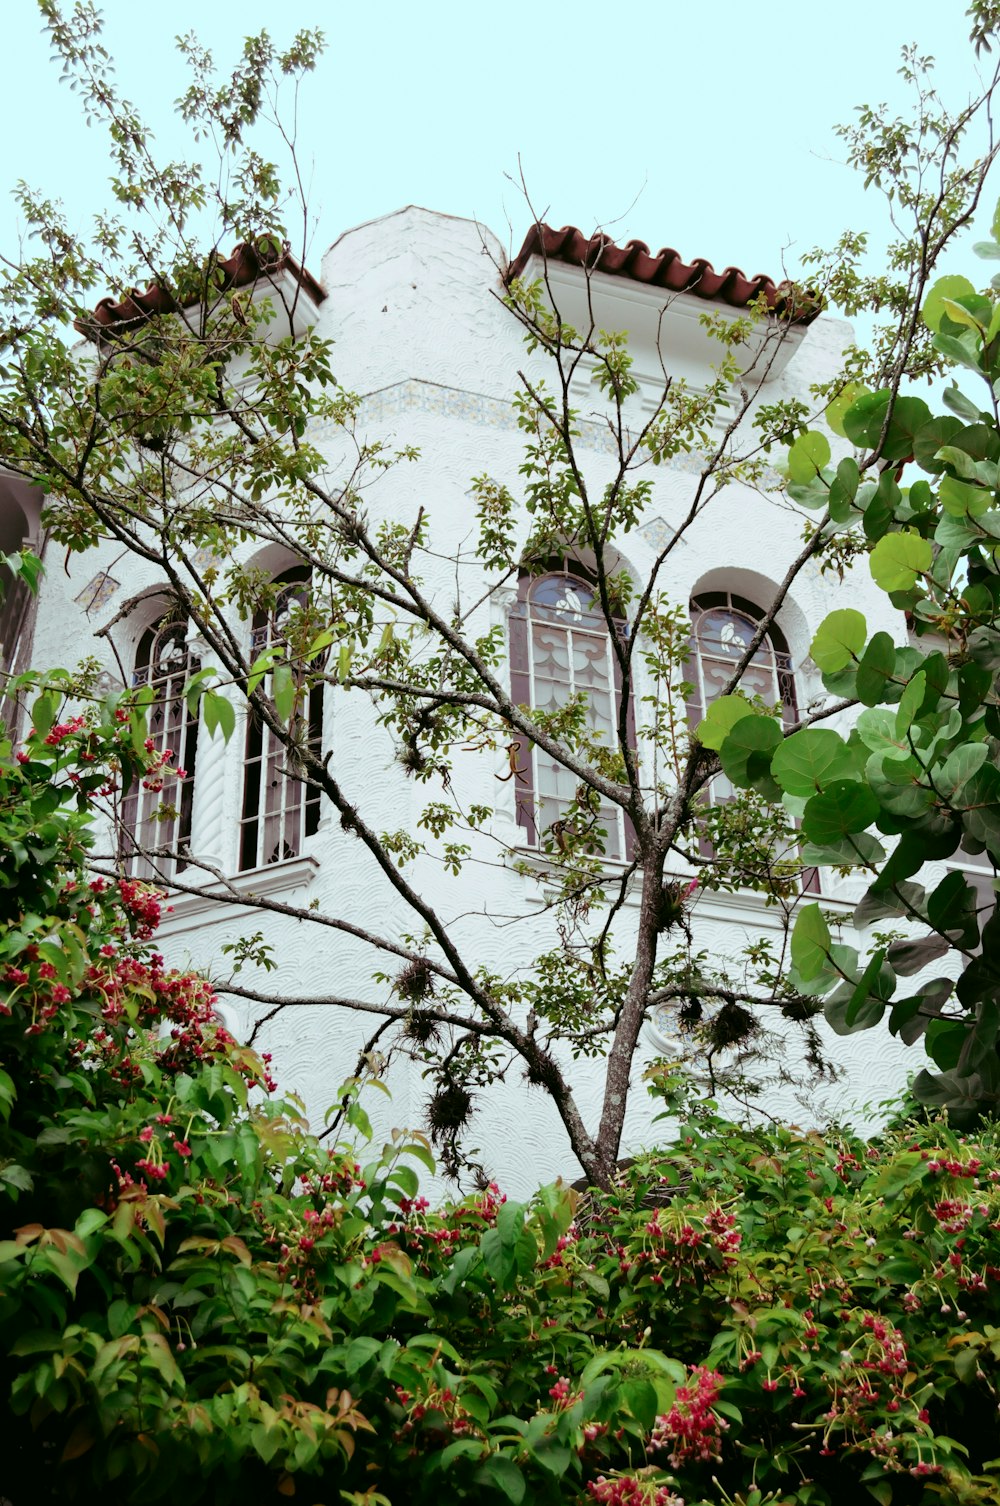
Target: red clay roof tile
(665, 269)
(247, 265)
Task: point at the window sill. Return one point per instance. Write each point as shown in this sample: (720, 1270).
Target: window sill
(709, 904)
(256, 883)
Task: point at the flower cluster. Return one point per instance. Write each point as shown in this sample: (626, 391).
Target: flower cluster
(643, 1488)
(691, 1430)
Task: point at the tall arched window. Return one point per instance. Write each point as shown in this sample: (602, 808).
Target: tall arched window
(153, 817)
(559, 647)
(722, 626)
(279, 809)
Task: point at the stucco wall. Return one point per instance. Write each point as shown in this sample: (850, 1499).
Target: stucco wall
(419, 330)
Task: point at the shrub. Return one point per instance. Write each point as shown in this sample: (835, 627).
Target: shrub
(198, 1295)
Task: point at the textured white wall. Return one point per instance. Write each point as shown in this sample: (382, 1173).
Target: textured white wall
(419, 329)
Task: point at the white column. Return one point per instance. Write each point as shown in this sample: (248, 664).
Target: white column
(213, 814)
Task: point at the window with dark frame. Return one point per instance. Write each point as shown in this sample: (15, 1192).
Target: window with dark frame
(279, 809)
(722, 626)
(150, 819)
(559, 647)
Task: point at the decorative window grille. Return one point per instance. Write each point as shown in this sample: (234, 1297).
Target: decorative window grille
(560, 647)
(279, 809)
(722, 626)
(154, 819)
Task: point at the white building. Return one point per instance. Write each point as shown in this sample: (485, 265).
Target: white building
(412, 303)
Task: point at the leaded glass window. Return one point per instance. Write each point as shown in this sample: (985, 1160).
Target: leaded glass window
(722, 626)
(560, 647)
(157, 817)
(279, 809)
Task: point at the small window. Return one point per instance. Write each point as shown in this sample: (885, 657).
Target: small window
(560, 647)
(722, 626)
(159, 819)
(279, 809)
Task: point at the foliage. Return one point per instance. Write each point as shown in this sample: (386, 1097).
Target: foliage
(193, 442)
(199, 1296)
(920, 762)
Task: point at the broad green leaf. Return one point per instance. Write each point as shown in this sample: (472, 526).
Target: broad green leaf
(839, 640)
(958, 769)
(898, 559)
(928, 441)
(945, 290)
(963, 500)
(959, 404)
(909, 957)
(746, 753)
(910, 702)
(841, 808)
(865, 418)
(859, 850)
(909, 415)
(959, 315)
(983, 472)
(811, 760)
(844, 490)
(859, 1006)
(876, 669)
(810, 942)
(43, 712)
(838, 407)
(719, 720)
(963, 349)
(807, 456)
(504, 1474)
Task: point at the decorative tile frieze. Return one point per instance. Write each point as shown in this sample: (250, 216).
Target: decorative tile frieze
(97, 592)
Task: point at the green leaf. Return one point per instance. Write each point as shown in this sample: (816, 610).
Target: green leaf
(958, 769)
(859, 1006)
(876, 669)
(961, 499)
(642, 1401)
(910, 702)
(43, 712)
(746, 753)
(812, 759)
(960, 315)
(909, 414)
(836, 409)
(810, 942)
(839, 640)
(807, 456)
(844, 490)
(719, 720)
(502, 1472)
(943, 291)
(218, 714)
(898, 559)
(864, 419)
(283, 691)
(842, 808)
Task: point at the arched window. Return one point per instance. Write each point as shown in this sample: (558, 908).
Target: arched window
(559, 647)
(722, 626)
(153, 817)
(279, 809)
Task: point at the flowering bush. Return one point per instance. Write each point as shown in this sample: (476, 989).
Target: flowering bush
(198, 1295)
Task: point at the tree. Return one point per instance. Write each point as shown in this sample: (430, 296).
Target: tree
(151, 442)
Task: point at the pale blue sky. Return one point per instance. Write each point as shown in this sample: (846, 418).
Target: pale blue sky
(708, 128)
